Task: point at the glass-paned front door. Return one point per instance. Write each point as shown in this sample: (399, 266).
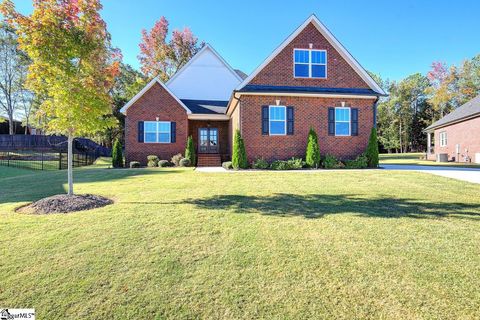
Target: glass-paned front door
(208, 140)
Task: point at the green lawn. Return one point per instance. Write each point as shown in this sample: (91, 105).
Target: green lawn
(182, 244)
(414, 158)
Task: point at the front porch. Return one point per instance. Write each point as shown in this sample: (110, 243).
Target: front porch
(211, 140)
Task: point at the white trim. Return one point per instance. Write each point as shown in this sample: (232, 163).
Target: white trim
(310, 63)
(207, 46)
(270, 121)
(201, 116)
(349, 122)
(330, 38)
(442, 137)
(145, 89)
(313, 95)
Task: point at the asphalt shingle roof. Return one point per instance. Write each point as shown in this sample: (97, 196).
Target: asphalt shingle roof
(206, 106)
(469, 109)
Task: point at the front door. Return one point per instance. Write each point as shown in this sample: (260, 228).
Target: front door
(208, 140)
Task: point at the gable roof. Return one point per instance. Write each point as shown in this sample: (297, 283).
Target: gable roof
(468, 110)
(332, 40)
(206, 106)
(145, 89)
(207, 46)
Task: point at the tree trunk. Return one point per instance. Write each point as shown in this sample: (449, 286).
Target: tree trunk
(11, 124)
(70, 164)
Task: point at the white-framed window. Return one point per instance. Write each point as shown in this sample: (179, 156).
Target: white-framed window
(342, 121)
(443, 139)
(157, 132)
(309, 63)
(277, 120)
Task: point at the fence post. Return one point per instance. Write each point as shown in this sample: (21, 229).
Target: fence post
(42, 159)
(60, 160)
(8, 158)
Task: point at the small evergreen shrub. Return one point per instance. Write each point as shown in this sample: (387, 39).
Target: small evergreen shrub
(330, 162)
(176, 159)
(372, 149)
(117, 154)
(312, 157)
(279, 165)
(134, 164)
(260, 163)
(291, 164)
(296, 163)
(164, 163)
(152, 161)
(227, 165)
(239, 157)
(361, 162)
(185, 162)
(190, 150)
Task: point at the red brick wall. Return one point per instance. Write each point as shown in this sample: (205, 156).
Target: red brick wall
(466, 133)
(279, 72)
(309, 112)
(156, 102)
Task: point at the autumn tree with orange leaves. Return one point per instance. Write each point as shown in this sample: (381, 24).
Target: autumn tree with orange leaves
(73, 66)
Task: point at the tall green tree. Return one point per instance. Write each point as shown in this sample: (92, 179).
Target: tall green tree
(312, 156)
(73, 66)
(190, 151)
(372, 149)
(117, 154)
(239, 155)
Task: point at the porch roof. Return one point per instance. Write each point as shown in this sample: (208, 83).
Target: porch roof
(205, 106)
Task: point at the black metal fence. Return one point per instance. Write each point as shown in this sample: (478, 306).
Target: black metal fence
(47, 152)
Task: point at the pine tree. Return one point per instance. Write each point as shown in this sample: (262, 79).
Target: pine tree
(312, 157)
(117, 156)
(190, 151)
(372, 149)
(239, 157)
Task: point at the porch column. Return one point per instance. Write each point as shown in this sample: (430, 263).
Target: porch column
(429, 143)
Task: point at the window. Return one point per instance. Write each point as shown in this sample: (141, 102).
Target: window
(443, 139)
(342, 121)
(310, 63)
(277, 120)
(157, 131)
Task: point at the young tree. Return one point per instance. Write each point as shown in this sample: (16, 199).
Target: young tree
(372, 149)
(13, 70)
(312, 157)
(73, 66)
(162, 57)
(239, 156)
(117, 154)
(190, 151)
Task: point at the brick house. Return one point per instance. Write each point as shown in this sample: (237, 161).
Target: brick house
(310, 80)
(457, 135)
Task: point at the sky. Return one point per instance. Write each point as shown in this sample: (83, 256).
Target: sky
(391, 38)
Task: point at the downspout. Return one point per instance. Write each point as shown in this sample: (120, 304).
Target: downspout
(375, 112)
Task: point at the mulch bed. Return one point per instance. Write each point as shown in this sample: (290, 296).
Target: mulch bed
(63, 203)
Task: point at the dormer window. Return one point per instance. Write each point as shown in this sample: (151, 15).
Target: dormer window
(309, 63)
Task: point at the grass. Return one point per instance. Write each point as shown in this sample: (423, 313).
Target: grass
(183, 244)
(414, 158)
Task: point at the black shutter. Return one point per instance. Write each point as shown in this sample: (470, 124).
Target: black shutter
(173, 132)
(354, 121)
(265, 120)
(290, 119)
(331, 121)
(140, 131)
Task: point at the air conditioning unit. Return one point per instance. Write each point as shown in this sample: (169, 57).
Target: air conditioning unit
(477, 157)
(442, 157)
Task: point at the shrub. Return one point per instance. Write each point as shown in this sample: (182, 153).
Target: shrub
(312, 157)
(176, 159)
(134, 164)
(190, 150)
(227, 165)
(117, 155)
(296, 163)
(372, 149)
(291, 164)
(279, 165)
(152, 161)
(164, 163)
(185, 162)
(239, 157)
(360, 162)
(260, 163)
(330, 162)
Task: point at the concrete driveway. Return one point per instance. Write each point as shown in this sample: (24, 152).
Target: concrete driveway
(465, 174)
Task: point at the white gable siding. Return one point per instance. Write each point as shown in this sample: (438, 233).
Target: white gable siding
(205, 77)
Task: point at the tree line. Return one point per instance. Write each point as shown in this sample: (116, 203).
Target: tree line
(419, 100)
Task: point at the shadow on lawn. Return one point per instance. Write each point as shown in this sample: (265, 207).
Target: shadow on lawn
(317, 205)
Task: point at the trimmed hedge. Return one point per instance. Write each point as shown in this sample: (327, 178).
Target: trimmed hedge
(185, 162)
(152, 161)
(164, 163)
(176, 159)
(134, 164)
(260, 163)
(227, 165)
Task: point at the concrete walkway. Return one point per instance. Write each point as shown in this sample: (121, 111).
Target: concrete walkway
(465, 174)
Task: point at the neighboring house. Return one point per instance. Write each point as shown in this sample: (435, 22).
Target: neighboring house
(457, 135)
(310, 80)
(18, 127)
